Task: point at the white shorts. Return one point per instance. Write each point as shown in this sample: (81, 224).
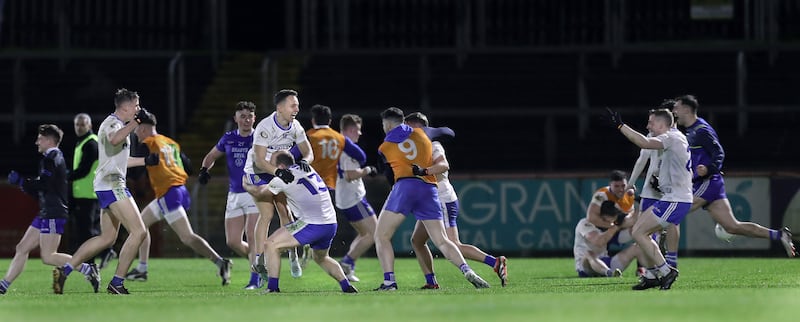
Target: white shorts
(240, 204)
(170, 216)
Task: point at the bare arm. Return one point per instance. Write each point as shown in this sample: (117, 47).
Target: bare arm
(135, 162)
(602, 239)
(652, 143)
(440, 165)
(305, 149)
(211, 157)
(120, 135)
(260, 152)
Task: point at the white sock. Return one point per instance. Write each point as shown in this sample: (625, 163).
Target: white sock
(142, 267)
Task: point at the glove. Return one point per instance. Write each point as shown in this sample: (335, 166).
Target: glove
(417, 171)
(284, 175)
(14, 178)
(304, 165)
(654, 184)
(142, 116)
(371, 171)
(614, 118)
(151, 159)
(204, 176)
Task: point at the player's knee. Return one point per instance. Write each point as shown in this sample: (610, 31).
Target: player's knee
(137, 235)
(733, 227)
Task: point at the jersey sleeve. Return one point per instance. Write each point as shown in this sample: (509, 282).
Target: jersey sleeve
(299, 132)
(221, 144)
(348, 163)
(276, 185)
(438, 150)
(598, 197)
(261, 135)
(354, 151)
(714, 149)
(585, 228)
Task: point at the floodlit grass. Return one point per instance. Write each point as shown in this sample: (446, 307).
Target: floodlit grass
(708, 289)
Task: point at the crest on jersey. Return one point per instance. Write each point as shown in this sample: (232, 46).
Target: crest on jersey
(263, 134)
(256, 179)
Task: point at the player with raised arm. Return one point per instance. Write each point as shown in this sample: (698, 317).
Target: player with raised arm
(409, 155)
(675, 179)
(351, 198)
(277, 132)
(241, 212)
(50, 188)
(708, 184)
(116, 202)
(316, 224)
(165, 167)
(449, 205)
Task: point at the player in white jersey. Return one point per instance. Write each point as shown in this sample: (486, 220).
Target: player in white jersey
(308, 197)
(351, 198)
(115, 200)
(277, 132)
(449, 204)
(591, 242)
(675, 181)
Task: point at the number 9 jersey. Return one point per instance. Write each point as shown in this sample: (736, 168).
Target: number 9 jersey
(405, 146)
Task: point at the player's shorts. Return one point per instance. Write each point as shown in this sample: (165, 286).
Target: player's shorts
(710, 189)
(591, 273)
(107, 197)
(451, 210)
(259, 179)
(414, 196)
(49, 226)
(671, 212)
(173, 205)
(361, 210)
(318, 236)
(240, 204)
(646, 203)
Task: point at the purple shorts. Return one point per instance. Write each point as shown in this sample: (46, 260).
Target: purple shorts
(360, 211)
(176, 196)
(107, 197)
(260, 179)
(49, 226)
(647, 202)
(414, 196)
(605, 259)
(451, 209)
(671, 212)
(318, 236)
(710, 189)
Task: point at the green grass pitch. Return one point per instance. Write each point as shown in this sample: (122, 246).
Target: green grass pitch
(546, 289)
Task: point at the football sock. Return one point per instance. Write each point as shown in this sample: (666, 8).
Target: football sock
(651, 273)
(253, 278)
(430, 279)
(4, 285)
(349, 260)
(272, 283)
(490, 260)
(219, 261)
(663, 269)
(85, 269)
(345, 284)
(672, 259)
(142, 267)
(116, 281)
(464, 268)
(774, 234)
(388, 278)
(68, 269)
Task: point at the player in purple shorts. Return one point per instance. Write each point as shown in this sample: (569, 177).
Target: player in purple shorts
(241, 212)
(351, 197)
(409, 155)
(50, 187)
(709, 186)
(449, 204)
(308, 197)
(675, 181)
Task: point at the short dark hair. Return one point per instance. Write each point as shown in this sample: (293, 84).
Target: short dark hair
(246, 105)
(417, 117)
(393, 114)
(124, 95)
(349, 120)
(321, 114)
(151, 119)
(52, 131)
(665, 114)
(618, 175)
(284, 158)
(667, 103)
(283, 94)
(609, 208)
(689, 100)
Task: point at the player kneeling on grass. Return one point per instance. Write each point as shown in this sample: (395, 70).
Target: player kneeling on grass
(592, 236)
(309, 199)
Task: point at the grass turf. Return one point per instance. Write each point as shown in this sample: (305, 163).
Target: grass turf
(708, 289)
